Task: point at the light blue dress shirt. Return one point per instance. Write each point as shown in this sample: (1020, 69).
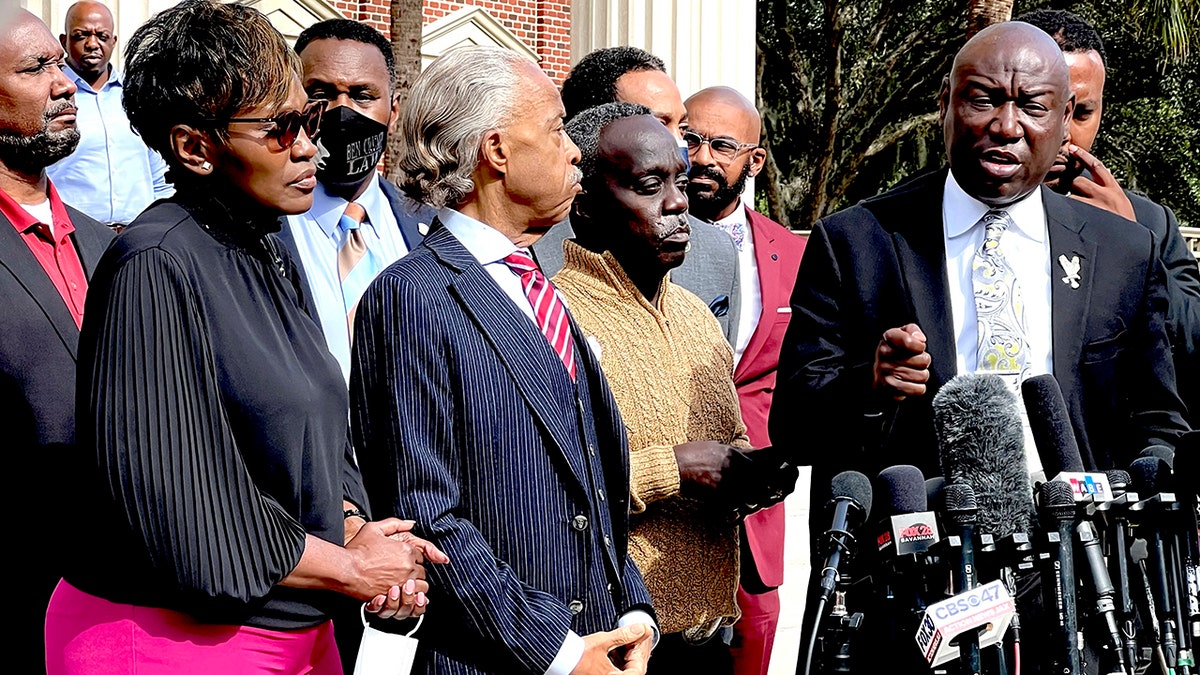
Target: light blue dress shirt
(318, 240)
(112, 176)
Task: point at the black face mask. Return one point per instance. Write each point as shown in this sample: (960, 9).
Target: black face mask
(348, 147)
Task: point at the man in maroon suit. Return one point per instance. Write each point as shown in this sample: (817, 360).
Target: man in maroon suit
(722, 134)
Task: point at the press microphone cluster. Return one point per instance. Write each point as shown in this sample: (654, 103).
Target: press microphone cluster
(952, 562)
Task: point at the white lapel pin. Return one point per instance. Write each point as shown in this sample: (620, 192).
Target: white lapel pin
(423, 228)
(1071, 267)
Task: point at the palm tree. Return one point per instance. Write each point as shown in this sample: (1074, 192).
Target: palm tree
(406, 46)
(983, 13)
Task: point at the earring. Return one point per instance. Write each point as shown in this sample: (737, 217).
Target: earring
(206, 167)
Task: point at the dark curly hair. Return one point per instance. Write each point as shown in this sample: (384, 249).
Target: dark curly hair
(355, 31)
(593, 81)
(201, 61)
(1072, 33)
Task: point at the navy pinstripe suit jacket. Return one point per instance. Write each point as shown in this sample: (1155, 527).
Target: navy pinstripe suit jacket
(465, 421)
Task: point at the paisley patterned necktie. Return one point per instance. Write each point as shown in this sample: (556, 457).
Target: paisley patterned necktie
(1003, 342)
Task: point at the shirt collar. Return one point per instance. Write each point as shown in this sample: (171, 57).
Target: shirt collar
(963, 212)
(484, 242)
(738, 217)
(23, 221)
(327, 209)
(114, 78)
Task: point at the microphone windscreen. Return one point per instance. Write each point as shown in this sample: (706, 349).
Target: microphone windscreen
(935, 497)
(1160, 451)
(1150, 476)
(901, 490)
(978, 424)
(1051, 425)
(854, 485)
(1118, 480)
(1057, 499)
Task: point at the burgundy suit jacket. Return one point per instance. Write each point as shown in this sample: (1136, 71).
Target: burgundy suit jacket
(777, 251)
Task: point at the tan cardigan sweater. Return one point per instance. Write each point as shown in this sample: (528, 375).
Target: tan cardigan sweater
(670, 370)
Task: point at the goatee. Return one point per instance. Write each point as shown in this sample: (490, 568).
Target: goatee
(32, 154)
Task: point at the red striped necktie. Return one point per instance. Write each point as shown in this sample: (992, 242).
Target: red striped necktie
(550, 313)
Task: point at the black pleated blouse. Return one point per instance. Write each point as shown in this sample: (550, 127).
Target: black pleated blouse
(211, 420)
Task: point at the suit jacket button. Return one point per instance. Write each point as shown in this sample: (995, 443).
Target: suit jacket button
(576, 606)
(579, 523)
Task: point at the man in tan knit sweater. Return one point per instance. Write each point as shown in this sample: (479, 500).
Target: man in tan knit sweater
(670, 369)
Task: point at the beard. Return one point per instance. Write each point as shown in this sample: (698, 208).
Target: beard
(706, 205)
(32, 154)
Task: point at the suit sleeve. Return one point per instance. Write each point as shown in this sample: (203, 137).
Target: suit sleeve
(1183, 292)
(1156, 410)
(403, 405)
(822, 390)
(164, 442)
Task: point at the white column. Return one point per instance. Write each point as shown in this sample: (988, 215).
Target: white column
(703, 42)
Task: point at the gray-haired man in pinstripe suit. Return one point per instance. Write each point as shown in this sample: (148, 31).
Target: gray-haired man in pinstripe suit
(479, 409)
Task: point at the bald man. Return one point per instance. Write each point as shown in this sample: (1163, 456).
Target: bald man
(884, 311)
(722, 135)
(47, 252)
(112, 175)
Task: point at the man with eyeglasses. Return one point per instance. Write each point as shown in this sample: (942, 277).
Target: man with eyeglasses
(359, 222)
(112, 175)
(722, 135)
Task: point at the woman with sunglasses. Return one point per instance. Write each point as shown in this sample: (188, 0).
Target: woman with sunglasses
(220, 499)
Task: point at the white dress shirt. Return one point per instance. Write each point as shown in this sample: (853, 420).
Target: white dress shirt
(490, 247)
(319, 238)
(751, 289)
(1025, 246)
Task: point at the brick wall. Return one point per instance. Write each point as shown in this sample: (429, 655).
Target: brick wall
(543, 25)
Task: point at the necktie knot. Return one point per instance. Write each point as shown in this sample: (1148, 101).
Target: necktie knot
(353, 217)
(995, 223)
(520, 262)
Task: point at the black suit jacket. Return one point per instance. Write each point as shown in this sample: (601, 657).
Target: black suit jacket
(1183, 292)
(882, 264)
(38, 346)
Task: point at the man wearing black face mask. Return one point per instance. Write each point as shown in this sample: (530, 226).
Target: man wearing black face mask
(359, 223)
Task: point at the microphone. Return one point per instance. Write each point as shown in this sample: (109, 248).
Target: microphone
(935, 498)
(851, 505)
(1054, 438)
(962, 512)
(1162, 452)
(1117, 511)
(1187, 468)
(1057, 506)
(981, 444)
(907, 528)
(851, 501)
(1152, 476)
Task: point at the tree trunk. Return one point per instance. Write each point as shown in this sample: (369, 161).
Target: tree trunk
(406, 46)
(983, 13)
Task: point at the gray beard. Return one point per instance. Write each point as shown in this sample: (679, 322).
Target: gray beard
(32, 154)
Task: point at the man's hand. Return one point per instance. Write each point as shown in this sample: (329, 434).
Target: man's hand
(901, 363)
(1102, 191)
(635, 657)
(701, 466)
(598, 646)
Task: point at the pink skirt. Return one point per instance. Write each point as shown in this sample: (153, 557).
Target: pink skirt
(86, 634)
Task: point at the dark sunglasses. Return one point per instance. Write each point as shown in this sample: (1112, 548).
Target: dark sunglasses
(285, 127)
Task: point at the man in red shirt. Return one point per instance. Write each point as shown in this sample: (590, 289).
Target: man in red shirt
(47, 250)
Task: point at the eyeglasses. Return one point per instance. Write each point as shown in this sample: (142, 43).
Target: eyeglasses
(725, 149)
(285, 127)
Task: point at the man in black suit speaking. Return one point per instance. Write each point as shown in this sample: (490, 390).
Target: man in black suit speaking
(974, 269)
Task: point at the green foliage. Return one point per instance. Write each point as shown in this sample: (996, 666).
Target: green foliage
(848, 92)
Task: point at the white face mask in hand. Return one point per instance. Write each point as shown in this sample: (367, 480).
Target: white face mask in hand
(383, 653)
